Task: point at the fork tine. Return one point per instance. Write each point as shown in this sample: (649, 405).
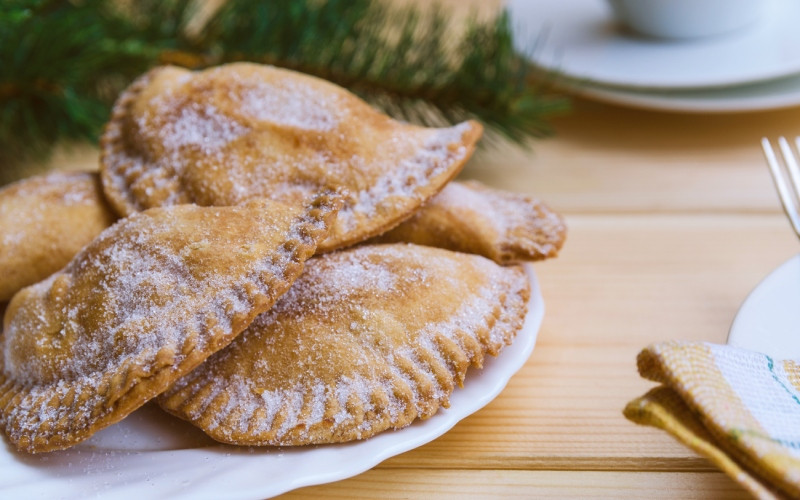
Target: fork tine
(794, 171)
(791, 164)
(779, 178)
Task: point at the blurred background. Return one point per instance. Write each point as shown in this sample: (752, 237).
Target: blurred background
(65, 61)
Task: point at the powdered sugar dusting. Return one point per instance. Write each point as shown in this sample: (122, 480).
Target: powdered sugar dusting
(67, 189)
(485, 207)
(404, 178)
(45, 221)
(141, 286)
(420, 399)
(34, 201)
(272, 401)
(29, 413)
(291, 104)
(318, 395)
(244, 131)
(506, 227)
(142, 297)
(379, 362)
(521, 221)
(180, 133)
(353, 276)
(200, 126)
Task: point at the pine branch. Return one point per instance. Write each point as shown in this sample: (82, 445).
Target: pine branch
(419, 75)
(65, 61)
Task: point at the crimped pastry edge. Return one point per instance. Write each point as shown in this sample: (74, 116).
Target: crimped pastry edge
(132, 389)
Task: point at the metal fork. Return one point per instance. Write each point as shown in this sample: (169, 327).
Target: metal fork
(788, 186)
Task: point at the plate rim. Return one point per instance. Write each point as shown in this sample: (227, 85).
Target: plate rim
(735, 331)
(760, 99)
(552, 63)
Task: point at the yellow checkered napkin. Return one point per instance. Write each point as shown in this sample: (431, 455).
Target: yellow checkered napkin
(739, 408)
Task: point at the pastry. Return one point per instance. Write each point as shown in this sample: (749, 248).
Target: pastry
(228, 134)
(142, 305)
(367, 339)
(44, 221)
(472, 218)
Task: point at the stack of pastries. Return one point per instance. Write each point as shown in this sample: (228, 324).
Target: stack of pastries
(265, 255)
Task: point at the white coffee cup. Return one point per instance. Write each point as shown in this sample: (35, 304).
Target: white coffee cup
(686, 18)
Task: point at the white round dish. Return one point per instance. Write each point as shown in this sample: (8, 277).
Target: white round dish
(152, 455)
(769, 319)
(775, 94)
(580, 39)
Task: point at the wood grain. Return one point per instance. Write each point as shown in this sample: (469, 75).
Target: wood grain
(611, 159)
(426, 484)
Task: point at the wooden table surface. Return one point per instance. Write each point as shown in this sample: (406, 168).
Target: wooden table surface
(672, 221)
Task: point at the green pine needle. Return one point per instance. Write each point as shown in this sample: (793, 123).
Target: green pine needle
(64, 62)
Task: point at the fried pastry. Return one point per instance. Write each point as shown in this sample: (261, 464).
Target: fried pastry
(367, 339)
(224, 135)
(472, 218)
(142, 305)
(44, 222)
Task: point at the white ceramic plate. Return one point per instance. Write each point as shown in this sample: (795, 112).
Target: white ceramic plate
(769, 319)
(152, 455)
(775, 94)
(580, 39)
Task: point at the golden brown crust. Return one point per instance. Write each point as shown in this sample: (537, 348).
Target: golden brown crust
(147, 301)
(44, 222)
(239, 131)
(472, 218)
(367, 339)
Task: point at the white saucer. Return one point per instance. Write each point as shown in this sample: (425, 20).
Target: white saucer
(580, 39)
(769, 319)
(775, 94)
(153, 455)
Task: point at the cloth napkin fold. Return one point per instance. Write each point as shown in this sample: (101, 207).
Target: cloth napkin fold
(739, 408)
